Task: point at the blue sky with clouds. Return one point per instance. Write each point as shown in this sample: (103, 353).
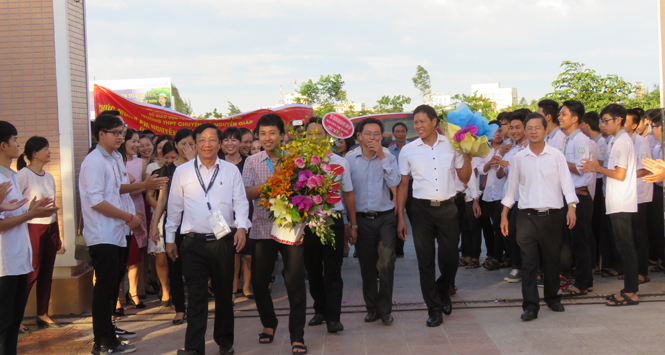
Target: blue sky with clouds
(242, 50)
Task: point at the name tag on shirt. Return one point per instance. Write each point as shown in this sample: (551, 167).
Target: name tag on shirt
(218, 224)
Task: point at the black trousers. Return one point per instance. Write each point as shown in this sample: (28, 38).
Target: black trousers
(106, 260)
(436, 225)
(203, 260)
(263, 263)
(515, 253)
(486, 226)
(472, 238)
(597, 219)
(622, 224)
(324, 268)
(656, 229)
(175, 278)
(376, 253)
(399, 244)
(610, 258)
(500, 242)
(582, 242)
(540, 236)
(641, 235)
(13, 298)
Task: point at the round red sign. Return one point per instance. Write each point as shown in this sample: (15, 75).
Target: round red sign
(338, 125)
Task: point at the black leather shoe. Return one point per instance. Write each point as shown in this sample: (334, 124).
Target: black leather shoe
(372, 317)
(334, 326)
(557, 307)
(435, 319)
(448, 308)
(187, 352)
(316, 320)
(228, 351)
(42, 324)
(529, 315)
(387, 319)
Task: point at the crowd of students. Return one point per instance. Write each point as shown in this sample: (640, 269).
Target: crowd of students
(562, 195)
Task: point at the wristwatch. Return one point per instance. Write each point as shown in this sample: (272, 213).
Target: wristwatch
(572, 205)
(354, 227)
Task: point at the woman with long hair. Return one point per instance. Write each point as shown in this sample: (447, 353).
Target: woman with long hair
(184, 144)
(35, 182)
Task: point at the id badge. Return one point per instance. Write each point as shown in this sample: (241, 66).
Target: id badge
(218, 224)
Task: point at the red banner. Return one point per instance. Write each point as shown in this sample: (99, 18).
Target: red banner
(144, 116)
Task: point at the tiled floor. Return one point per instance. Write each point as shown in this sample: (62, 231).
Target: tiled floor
(485, 321)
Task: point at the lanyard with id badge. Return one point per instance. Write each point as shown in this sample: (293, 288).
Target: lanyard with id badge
(216, 220)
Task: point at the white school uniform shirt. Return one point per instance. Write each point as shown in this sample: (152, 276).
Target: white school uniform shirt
(657, 153)
(39, 187)
(100, 178)
(652, 141)
(509, 158)
(494, 186)
(188, 201)
(15, 247)
(621, 196)
(433, 168)
(642, 151)
(555, 138)
(601, 142)
(606, 160)
(593, 153)
(347, 183)
(576, 147)
(541, 180)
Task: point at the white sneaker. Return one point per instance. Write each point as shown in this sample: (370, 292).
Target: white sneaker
(515, 276)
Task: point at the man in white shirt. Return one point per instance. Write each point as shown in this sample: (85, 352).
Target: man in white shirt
(656, 230)
(208, 197)
(324, 262)
(621, 198)
(433, 163)
(550, 109)
(539, 174)
(644, 193)
(590, 127)
(15, 247)
(576, 147)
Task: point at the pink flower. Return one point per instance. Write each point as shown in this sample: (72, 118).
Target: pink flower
(315, 160)
(303, 202)
(326, 168)
(319, 179)
(459, 136)
(317, 199)
(312, 183)
(303, 176)
(299, 163)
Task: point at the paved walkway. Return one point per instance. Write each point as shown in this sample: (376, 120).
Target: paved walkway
(485, 320)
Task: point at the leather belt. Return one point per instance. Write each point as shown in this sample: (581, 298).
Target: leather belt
(436, 203)
(373, 215)
(541, 213)
(207, 237)
(582, 191)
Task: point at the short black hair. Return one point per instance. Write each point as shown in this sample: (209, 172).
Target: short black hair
(428, 110)
(232, 132)
(182, 134)
(550, 107)
(369, 120)
(504, 116)
(641, 112)
(166, 137)
(34, 144)
(400, 124)
(198, 130)
(518, 116)
(271, 119)
(106, 121)
(535, 116)
(592, 119)
(316, 120)
(615, 111)
(635, 113)
(576, 108)
(7, 130)
(147, 131)
(168, 148)
(655, 116)
(246, 130)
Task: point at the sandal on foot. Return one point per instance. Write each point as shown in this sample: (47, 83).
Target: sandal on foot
(462, 262)
(298, 347)
(473, 264)
(608, 273)
(644, 280)
(270, 337)
(625, 301)
(568, 292)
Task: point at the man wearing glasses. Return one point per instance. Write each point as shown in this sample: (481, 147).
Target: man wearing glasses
(373, 174)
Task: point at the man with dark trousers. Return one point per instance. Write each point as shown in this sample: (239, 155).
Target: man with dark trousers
(433, 163)
(324, 262)
(208, 197)
(374, 173)
(399, 132)
(540, 175)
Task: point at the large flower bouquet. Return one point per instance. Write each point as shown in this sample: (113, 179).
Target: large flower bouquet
(468, 131)
(303, 190)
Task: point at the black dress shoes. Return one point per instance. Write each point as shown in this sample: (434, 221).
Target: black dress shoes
(334, 326)
(557, 307)
(387, 319)
(228, 351)
(42, 324)
(448, 308)
(529, 315)
(187, 352)
(435, 319)
(316, 320)
(372, 317)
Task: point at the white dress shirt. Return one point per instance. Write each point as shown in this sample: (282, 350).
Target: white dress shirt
(541, 180)
(657, 153)
(594, 153)
(601, 142)
(99, 180)
(494, 186)
(642, 151)
(606, 161)
(576, 147)
(39, 187)
(188, 201)
(15, 247)
(555, 138)
(347, 183)
(509, 158)
(621, 196)
(433, 168)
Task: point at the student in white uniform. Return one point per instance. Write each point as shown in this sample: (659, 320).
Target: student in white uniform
(621, 198)
(550, 109)
(539, 174)
(656, 232)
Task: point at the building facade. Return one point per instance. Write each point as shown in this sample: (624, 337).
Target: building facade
(503, 97)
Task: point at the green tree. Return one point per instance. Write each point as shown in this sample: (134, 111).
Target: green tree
(646, 101)
(214, 114)
(422, 82)
(394, 104)
(328, 91)
(477, 102)
(233, 109)
(321, 110)
(181, 105)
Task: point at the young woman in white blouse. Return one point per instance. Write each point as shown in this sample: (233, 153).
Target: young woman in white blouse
(34, 182)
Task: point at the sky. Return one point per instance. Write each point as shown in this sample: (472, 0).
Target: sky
(243, 50)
